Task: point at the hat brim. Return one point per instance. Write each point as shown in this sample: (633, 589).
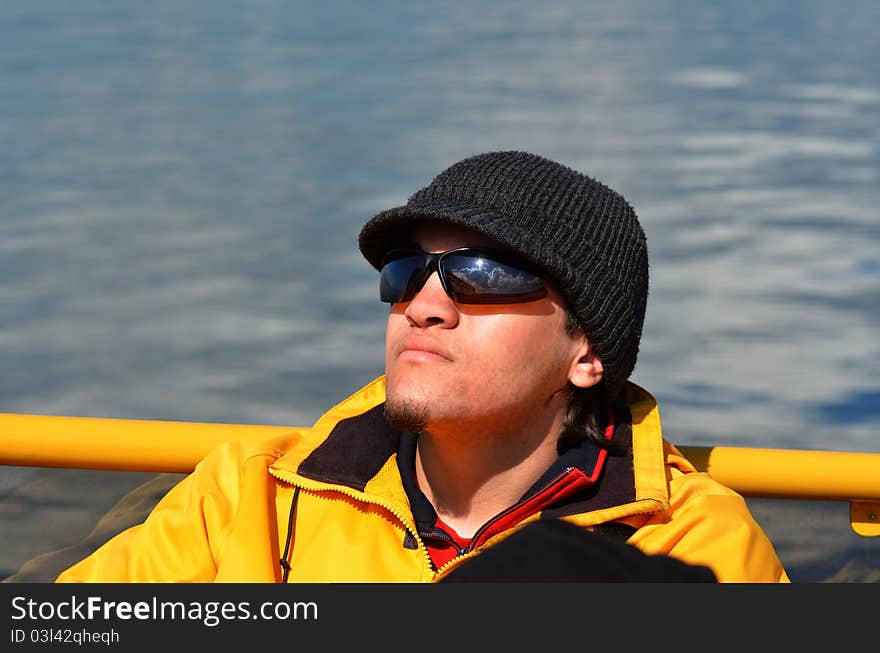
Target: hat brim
(391, 228)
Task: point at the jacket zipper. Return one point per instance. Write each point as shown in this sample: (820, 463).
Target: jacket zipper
(435, 535)
(475, 540)
(361, 496)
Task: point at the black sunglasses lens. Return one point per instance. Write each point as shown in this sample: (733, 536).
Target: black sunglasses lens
(480, 280)
(399, 278)
(470, 277)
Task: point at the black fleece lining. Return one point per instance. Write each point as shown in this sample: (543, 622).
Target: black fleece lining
(354, 452)
(616, 486)
(423, 512)
(583, 457)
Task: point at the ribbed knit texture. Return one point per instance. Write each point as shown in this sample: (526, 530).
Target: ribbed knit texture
(583, 234)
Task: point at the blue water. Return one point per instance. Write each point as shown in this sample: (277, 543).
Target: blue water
(182, 184)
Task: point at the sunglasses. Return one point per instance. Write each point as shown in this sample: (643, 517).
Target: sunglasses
(469, 275)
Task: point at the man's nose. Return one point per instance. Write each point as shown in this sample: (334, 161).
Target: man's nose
(432, 306)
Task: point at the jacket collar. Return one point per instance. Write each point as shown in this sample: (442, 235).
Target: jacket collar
(352, 443)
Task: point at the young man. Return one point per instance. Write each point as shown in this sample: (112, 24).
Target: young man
(518, 290)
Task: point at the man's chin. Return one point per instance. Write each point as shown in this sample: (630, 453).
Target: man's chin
(406, 415)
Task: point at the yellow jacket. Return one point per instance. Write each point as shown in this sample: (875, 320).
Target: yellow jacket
(229, 520)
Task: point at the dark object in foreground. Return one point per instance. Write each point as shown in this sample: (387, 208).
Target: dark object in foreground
(552, 550)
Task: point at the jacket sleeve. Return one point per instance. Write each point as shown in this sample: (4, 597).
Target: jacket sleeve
(710, 524)
(182, 539)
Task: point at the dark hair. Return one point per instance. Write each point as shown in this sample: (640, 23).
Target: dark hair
(589, 409)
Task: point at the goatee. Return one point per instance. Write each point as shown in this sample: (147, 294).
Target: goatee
(406, 416)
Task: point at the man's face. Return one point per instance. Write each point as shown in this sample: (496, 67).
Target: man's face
(486, 368)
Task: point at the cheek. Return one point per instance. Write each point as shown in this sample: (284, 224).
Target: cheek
(396, 322)
(397, 330)
(513, 347)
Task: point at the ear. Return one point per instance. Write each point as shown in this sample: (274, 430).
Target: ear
(586, 368)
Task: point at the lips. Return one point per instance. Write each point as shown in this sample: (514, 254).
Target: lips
(424, 349)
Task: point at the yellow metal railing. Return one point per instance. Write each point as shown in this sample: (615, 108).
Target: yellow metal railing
(167, 446)
(121, 444)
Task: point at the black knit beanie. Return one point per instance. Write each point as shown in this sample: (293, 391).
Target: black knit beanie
(583, 234)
